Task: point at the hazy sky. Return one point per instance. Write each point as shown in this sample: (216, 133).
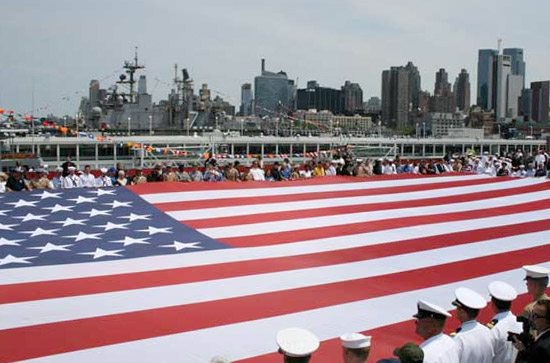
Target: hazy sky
(60, 45)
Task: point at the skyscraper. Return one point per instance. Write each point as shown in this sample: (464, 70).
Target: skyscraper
(485, 77)
(462, 91)
(273, 92)
(395, 97)
(414, 84)
(502, 68)
(443, 99)
(353, 97)
(442, 86)
(246, 99)
(518, 64)
(540, 99)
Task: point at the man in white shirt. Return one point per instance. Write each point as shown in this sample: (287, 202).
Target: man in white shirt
(503, 322)
(87, 178)
(256, 173)
(71, 180)
(437, 347)
(474, 340)
(103, 180)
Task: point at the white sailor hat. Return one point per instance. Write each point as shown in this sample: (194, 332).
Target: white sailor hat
(355, 341)
(103, 170)
(502, 291)
(427, 309)
(535, 272)
(71, 168)
(297, 342)
(469, 298)
(59, 168)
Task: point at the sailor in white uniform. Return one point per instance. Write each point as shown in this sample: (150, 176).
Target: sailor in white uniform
(437, 347)
(474, 340)
(503, 322)
(297, 344)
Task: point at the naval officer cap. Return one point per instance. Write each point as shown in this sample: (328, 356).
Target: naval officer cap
(429, 310)
(355, 341)
(297, 342)
(502, 291)
(535, 272)
(469, 298)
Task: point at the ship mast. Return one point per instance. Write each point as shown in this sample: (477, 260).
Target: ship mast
(131, 69)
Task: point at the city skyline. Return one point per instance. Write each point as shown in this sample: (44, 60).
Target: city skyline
(60, 46)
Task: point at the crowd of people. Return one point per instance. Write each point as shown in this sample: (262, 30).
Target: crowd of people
(343, 162)
(505, 339)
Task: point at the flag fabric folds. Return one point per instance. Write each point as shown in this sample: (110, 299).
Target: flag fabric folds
(175, 272)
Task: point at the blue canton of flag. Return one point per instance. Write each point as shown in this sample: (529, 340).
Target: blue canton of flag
(83, 225)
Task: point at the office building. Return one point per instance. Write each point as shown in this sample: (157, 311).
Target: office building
(246, 100)
(540, 101)
(319, 98)
(353, 98)
(395, 97)
(461, 90)
(518, 63)
(414, 84)
(273, 93)
(485, 77)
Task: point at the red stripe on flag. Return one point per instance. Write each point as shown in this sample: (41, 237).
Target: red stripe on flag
(80, 334)
(101, 284)
(377, 225)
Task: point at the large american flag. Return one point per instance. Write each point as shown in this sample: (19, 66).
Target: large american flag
(174, 272)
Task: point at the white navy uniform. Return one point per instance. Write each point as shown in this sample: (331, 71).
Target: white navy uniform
(440, 348)
(474, 343)
(502, 323)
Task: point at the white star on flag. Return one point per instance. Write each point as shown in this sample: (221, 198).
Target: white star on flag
(95, 212)
(39, 232)
(116, 204)
(10, 242)
(60, 208)
(128, 241)
(109, 226)
(82, 236)
(101, 192)
(82, 199)
(154, 230)
(51, 247)
(23, 203)
(3, 212)
(6, 227)
(12, 259)
(45, 194)
(180, 245)
(70, 222)
(137, 217)
(99, 252)
(32, 217)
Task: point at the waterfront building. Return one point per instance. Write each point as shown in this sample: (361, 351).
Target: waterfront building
(395, 97)
(485, 77)
(440, 123)
(461, 90)
(443, 99)
(540, 101)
